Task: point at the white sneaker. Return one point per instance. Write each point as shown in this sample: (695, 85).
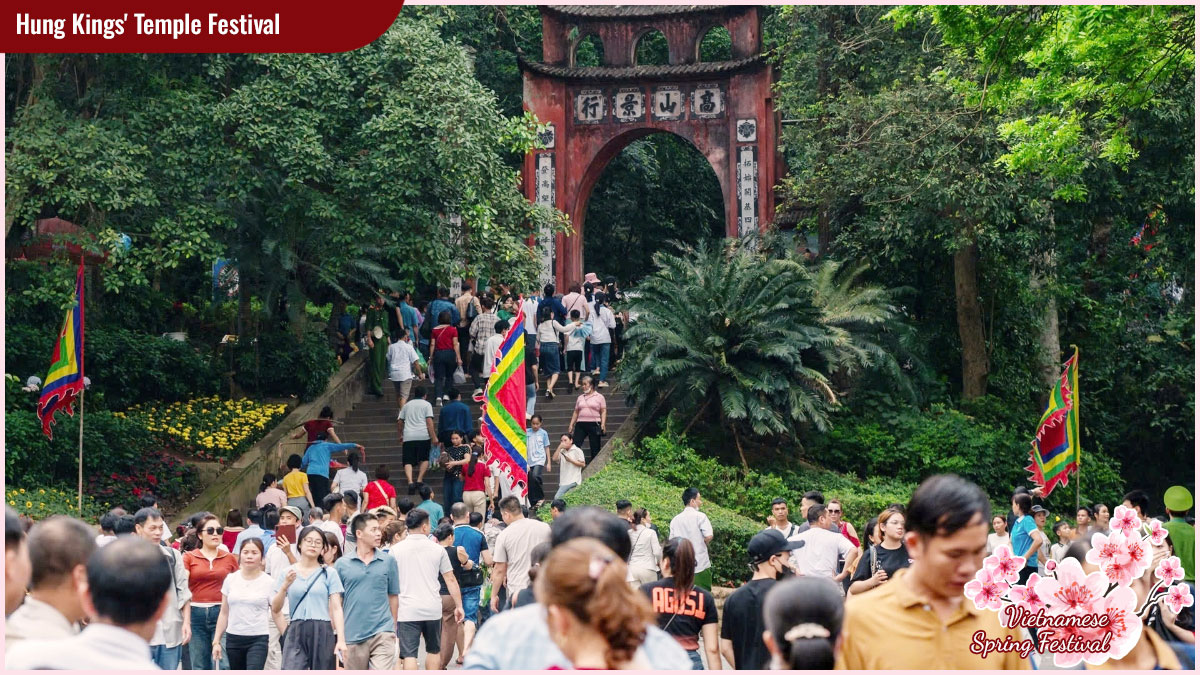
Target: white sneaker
(602, 385)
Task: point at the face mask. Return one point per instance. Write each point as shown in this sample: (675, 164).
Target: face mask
(785, 571)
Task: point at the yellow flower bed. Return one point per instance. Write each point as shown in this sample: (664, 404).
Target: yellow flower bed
(209, 427)
(38, 503)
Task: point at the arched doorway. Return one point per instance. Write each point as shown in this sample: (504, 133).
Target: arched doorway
(722, 108)
(656, 190)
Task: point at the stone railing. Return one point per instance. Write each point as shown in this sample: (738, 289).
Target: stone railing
(237, 486)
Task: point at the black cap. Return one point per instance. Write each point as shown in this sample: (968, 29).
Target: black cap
(769, 542)
(1038, 509)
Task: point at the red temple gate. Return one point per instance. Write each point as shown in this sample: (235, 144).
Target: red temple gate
(723, 108)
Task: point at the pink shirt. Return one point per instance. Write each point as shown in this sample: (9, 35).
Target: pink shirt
(271, 496)
(589, 406)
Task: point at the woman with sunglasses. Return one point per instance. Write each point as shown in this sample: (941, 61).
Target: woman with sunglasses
(207, 567)
(313, 592)
(245, 610)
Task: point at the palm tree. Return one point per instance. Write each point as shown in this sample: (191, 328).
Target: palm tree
(749, 338)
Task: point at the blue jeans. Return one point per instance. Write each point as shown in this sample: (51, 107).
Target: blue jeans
(564, 489)
(470, 600)
(600, 360)
(204, 626)
(166, 657)
(530, 399)
(452, 490)
(697, 661)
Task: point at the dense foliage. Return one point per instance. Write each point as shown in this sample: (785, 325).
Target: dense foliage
(749, 340)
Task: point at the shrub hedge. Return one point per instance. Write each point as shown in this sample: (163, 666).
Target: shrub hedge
(125, 367)
(669, 458)
(279, 364)
(622, 479)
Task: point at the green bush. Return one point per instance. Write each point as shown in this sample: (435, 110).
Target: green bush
(48, 500)
(125, 367)
(669, 458)
(279, 364)
(915, 445)
(623, 480)
(120, 457)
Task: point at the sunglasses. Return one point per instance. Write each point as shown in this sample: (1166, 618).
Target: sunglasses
(213, 530)
(834, 510)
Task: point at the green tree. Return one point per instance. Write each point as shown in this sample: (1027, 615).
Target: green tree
(738, 335)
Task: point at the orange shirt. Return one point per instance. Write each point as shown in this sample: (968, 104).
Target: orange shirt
(205, 576)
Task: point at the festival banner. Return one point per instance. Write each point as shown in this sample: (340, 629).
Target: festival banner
(503, 423)
(65, 379)
(1055, 452)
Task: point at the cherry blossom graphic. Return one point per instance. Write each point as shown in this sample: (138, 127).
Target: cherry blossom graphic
(987, 589)
(1072, 591)
(1004, 564)
(1099, 610)
(1107, 548)
(1026, 597)
(1157, 533)
(1179, 596)
(1126, 520)
(1169, 570)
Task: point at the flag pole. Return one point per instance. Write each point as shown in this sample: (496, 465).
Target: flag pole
(80, 497)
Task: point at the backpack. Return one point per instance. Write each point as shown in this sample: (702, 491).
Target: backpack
(472, 310)
(426, 329)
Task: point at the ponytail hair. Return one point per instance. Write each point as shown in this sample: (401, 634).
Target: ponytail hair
(584, 577)
(268, 478)
(639, 515)
(804, 617)
(682, 555)
(353, 459)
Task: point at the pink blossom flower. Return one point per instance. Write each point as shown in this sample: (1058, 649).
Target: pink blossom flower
(1122, 574)
(1071, 590)
(1050, 565)
(1108, 548)
(1138, 552)
(1179, 596)
(1027, 596)
(1157, 532)
(1003, 564)
(1125, 519)
(986, 590)
(1169, 570)
(1124, 625)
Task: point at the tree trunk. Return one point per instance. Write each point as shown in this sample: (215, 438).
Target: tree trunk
(970, 320)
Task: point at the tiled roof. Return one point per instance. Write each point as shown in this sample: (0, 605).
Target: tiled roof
(630, 11)
(609, 73)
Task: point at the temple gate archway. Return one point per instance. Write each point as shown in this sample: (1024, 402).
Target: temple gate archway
(723, 108)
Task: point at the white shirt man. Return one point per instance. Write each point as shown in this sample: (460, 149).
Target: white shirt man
(819, 557)
(694, 526)
(175, 626)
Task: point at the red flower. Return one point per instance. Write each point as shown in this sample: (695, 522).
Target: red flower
(114, 476)
(137, 492)
(152, 480)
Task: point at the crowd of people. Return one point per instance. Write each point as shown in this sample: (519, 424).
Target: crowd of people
(357, 588)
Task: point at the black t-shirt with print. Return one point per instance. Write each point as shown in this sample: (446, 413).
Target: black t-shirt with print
(888, 560)
(681, 620)
(743, 625)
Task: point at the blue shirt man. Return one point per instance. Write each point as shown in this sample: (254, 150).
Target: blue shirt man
(255, 530)
(556, 306)
(441, 305)
(409, 314)
(371, 590)
(455, 416)
(316, 458)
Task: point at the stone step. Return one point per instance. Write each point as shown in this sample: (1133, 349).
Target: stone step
(364, 431)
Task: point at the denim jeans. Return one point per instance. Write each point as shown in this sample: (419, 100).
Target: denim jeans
(600, 360)
(166, 657)
(536, 492)
(452, 490)
(530, 399)
(697, 661)
(444, 364)
(204, 626)
(564, 489)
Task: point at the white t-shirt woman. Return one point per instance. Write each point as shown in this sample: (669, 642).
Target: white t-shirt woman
(350, 479)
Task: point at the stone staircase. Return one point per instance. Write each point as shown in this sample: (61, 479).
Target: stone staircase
(372, 423)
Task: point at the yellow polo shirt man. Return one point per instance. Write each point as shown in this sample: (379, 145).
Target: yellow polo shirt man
(920, 619)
